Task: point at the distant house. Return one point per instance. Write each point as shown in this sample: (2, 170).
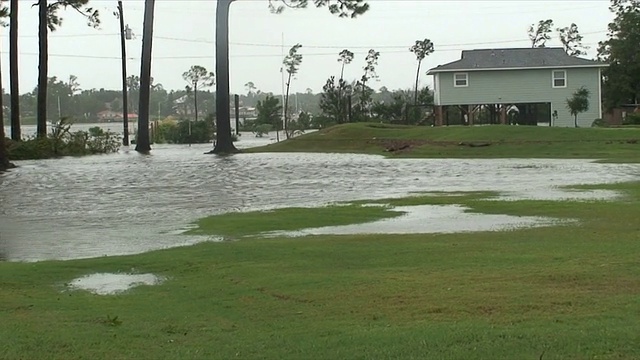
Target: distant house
(537, 81)
(110, 115)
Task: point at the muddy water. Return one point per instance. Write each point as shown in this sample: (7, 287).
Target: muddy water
(128, 203)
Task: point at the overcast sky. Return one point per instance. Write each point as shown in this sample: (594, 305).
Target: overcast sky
(184, 34)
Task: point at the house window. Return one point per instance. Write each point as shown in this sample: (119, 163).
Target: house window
(559, 78)
(461, 79)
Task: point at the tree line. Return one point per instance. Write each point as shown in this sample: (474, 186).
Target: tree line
(621, 80)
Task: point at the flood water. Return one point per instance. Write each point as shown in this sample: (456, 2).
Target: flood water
(428, 219)
(128, 203)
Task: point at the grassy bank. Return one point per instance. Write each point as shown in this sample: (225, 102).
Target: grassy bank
(498, 141)
(568, 292)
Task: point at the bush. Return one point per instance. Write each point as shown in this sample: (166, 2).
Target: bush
(598, 123)
(632, 119)
(178, 132)
(262, 130)
(62, 142)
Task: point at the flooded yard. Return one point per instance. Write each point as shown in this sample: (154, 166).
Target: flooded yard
(128, 203)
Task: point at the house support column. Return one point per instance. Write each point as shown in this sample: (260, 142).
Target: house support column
(439, 116)
(470, 113)
(503, 114)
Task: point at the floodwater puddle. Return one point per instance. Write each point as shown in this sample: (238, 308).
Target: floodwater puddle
(127, 203)
(429, 219)
(112, 284)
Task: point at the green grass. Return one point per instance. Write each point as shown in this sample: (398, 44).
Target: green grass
(233, 225)
(613, 144)
(570, 292)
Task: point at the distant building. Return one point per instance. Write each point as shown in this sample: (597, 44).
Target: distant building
(110, 115)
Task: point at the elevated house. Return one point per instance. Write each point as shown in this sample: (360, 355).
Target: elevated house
(535, 82)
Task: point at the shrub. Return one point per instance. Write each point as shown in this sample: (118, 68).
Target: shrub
(62, 142)
(178, 132)
(632, 119)
(598, 123)
(262, 130)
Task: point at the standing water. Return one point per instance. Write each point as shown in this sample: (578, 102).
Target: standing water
(128, 203)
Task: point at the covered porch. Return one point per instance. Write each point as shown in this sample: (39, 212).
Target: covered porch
(530, 114)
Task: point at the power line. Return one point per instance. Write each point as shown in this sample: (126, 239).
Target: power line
(212, 57)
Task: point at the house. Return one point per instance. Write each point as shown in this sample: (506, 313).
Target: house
(110, 115)
(538, 81)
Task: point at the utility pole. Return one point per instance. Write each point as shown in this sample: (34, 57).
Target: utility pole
(125, 34)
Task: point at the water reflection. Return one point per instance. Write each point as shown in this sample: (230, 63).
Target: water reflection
(127, 203)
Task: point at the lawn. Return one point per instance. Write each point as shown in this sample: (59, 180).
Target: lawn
(496, 141)
(562, 292)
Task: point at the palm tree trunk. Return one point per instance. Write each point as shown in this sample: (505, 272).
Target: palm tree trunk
(415, 94)
(224, 142)
(125, 100)
(43, 69)
(4, 157)
(286, 105)
(13, 72)
(143, 143)
(195, 100)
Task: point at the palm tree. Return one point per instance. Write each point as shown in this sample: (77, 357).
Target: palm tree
(49, 21)
(143, 143)
(198, 77)
(422, 49)
(4, 158)
(291, 63)
(13, 71)
(224, 143)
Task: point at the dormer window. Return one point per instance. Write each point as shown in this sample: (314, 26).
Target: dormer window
(461, 79)
(559, 79)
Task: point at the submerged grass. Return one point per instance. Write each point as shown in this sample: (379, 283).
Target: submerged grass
(565, 292)
(496, 141)
(233, 225)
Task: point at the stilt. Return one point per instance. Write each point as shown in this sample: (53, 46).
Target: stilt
(503, 114)
(439, 116)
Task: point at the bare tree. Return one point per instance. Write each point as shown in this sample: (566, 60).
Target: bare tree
(539, 34)
(572, 40)
(291, 64)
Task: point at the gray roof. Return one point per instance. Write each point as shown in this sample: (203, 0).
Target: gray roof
(504, 59)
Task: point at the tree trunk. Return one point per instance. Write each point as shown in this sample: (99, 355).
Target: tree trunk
(415, 93)
(143, 143)
(43, 69)
(125, 99)
(341, 111)
(286, 105)
(224, 142)
(195, 101)
(13, 72)
(4, 158)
